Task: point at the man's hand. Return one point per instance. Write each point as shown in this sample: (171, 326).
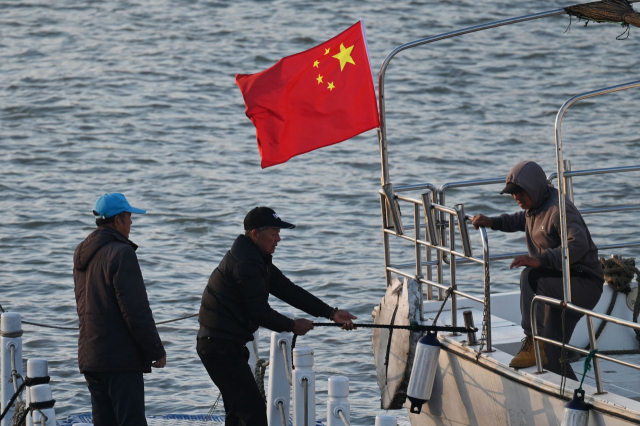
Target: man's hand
(342, 316)
(160, 363)
(302, 326)
(525, 261)
(481, 221)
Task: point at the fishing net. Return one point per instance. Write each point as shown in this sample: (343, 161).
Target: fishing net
(616, 11)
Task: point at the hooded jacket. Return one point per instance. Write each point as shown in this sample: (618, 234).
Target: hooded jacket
(541, 224)
(117, 330)
(235, 301)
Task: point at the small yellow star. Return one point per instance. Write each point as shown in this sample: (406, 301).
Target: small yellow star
(319, 79)
(331, 86)
(316, 63)
(344, 56)
(326, 51)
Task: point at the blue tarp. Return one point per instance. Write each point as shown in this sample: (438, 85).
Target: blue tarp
(87, 418)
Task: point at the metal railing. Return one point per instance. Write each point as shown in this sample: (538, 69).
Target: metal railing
(592, 336)
(433, 241)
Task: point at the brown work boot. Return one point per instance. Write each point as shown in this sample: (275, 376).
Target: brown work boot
(527, 355)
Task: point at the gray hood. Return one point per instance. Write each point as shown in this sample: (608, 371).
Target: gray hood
(530, 176)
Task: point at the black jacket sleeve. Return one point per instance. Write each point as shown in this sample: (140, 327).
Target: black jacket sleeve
(131, 294)
(252, 285)
(296, 296)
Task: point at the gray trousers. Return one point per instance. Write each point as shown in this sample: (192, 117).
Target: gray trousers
(585, 292)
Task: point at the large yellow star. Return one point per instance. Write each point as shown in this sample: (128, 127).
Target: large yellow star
(344, 56)
(319, 79)
(331, 86)
(316, 63)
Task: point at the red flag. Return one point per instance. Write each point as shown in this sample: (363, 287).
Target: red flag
(312, 99)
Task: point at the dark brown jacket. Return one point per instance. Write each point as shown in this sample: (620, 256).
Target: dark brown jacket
(117, 330)
(541, 225)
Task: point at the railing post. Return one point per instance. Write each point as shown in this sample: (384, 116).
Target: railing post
(418, 249)
(385, 239)
(338, 402)
(41, 394)
(279, 389)
(487, 289)
(452, 266)
(304, 400)
(568, 180)
(443, 239)
(534, 332)
(36, 368)
(386, 420)
(11, 342)
(596, 361)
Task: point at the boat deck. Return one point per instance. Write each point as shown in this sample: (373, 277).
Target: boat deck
(621, 384)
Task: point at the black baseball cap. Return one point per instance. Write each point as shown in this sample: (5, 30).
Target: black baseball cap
(512, 188)
(264, 216)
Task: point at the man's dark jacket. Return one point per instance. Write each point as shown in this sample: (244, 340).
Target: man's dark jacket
(117, 330)
(235, 301)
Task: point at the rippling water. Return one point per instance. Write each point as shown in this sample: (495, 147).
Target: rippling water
(139, 98)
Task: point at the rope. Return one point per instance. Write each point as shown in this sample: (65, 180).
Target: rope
(29, 381)
(587, 366)
(176, 319)
(446, 296)
(287, 368)
(11, 334)
(261, 367)
(281, 408)
(414, 327)
(618, 274)
(343, 418)
(209, 415)
(21, 408)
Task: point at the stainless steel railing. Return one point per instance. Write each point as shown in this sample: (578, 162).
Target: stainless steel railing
(433, 241)
(592, 336)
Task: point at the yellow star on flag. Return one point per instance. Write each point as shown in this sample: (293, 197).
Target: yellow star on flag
(316, 63)
(326, 51)
(319, 79)
(331, 86)
(344, 56)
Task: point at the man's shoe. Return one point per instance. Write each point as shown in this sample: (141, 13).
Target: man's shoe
(527, 355)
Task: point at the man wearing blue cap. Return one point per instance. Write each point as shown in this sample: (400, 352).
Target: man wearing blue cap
(235, 303)
(118, 339)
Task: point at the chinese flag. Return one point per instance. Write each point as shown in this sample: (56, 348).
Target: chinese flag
(312, 99)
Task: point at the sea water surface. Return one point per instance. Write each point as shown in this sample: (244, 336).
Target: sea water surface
(139, 97)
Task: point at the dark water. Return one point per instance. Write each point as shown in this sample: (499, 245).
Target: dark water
(139, 98)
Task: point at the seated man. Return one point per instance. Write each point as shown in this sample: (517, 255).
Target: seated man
(540, 220)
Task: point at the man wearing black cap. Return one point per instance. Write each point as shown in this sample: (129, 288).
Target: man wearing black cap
(235, 303)
(540, 220)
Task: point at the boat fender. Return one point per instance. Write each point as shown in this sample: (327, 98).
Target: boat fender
(576, 412)
(423, 373)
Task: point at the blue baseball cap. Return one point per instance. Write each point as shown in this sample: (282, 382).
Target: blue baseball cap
(111, 204)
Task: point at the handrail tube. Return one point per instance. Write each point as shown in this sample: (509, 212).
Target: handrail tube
(418, 187)
(596, 362)
(382, 134)
(435, 284)
(439, 248)
(622, 245)
(591, 172)
(562, 190)
(452, 273)
(487, 288)
(590, 314)
(610, 209)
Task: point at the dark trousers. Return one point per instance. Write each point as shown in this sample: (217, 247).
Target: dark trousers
(585, 292)
(117, 398)
(226, 362)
